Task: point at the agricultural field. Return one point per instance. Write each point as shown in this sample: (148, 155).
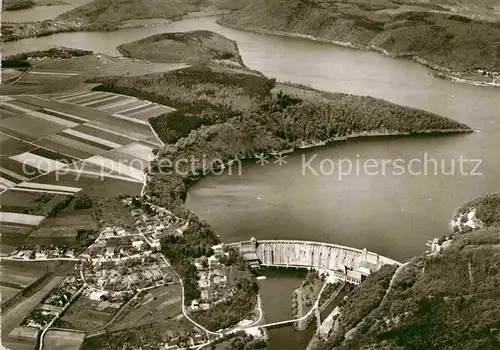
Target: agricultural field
(63, 340)
(19, 274)
(11, 236)
(21, 338)
(52, 75)
(62, 229)
(160, 303)
(53, 273)
(152, 336)
(96, 143)
(89, 315)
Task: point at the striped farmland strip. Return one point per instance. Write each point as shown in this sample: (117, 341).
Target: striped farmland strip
(4, 183)
(153, 107)
(130, 119)
(25, 219)
(138, 150)
(87, 142)
(69, 117)
(41, 163)
(87, 94)
(132, 111)
(115, 166)
(6, 114)
(89, 98)
(41, 187)
(80, 93)
(126, 101)
(10, 109)
(131, 130)
(12, 174)
(10, 166)
(31, 190)
(64, 74)
(74, 148)
(16, 105)
(13, 146)
(94, 139)
(10, 178)
(103, 101)
(137, 109)
(103, 134)
(42, 152)
(100, 174)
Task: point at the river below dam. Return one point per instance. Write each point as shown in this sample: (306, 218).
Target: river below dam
(389, 212)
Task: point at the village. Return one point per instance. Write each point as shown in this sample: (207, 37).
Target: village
(213, 280)
(122, 269)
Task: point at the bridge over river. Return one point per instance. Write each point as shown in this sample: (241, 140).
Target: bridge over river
(349, 264)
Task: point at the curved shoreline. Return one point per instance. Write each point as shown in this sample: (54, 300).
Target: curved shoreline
(441, 72)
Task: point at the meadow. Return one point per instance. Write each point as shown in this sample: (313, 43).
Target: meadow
(63, 340)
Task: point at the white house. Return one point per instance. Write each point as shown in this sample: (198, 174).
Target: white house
(137, 244)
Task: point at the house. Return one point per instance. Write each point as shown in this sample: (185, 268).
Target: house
(195, 305)
(110, 252)
(220, 279)
(121, 232)
(204, 294)
(155, 246)
(213, 260)
(137, 244)
(218, 249)
(97, 295)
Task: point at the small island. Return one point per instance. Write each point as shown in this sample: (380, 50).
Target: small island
(197, 46)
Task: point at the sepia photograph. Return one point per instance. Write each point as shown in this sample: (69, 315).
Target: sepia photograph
(250, 175)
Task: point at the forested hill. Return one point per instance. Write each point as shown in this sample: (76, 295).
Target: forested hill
(108, 14)
(186, 47)
(226, 113)
(449, 299)
(400, 28)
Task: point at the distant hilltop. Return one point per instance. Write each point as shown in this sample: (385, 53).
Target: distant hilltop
(459, 47)
(190, 47)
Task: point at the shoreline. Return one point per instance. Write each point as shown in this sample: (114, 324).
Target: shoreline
(441, 72)
(192, 178)
(72, 27)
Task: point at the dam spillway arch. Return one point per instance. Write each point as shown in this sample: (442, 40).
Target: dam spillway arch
(351, 263)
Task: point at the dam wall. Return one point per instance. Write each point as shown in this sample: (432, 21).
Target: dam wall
(349, 263)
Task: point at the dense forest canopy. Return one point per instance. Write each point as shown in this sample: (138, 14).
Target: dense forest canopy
(224, 114)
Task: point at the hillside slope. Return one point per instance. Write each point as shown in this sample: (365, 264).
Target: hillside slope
(227, 113)
(447, 300)
(190, 47)
(440, 40)
(114, 12)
